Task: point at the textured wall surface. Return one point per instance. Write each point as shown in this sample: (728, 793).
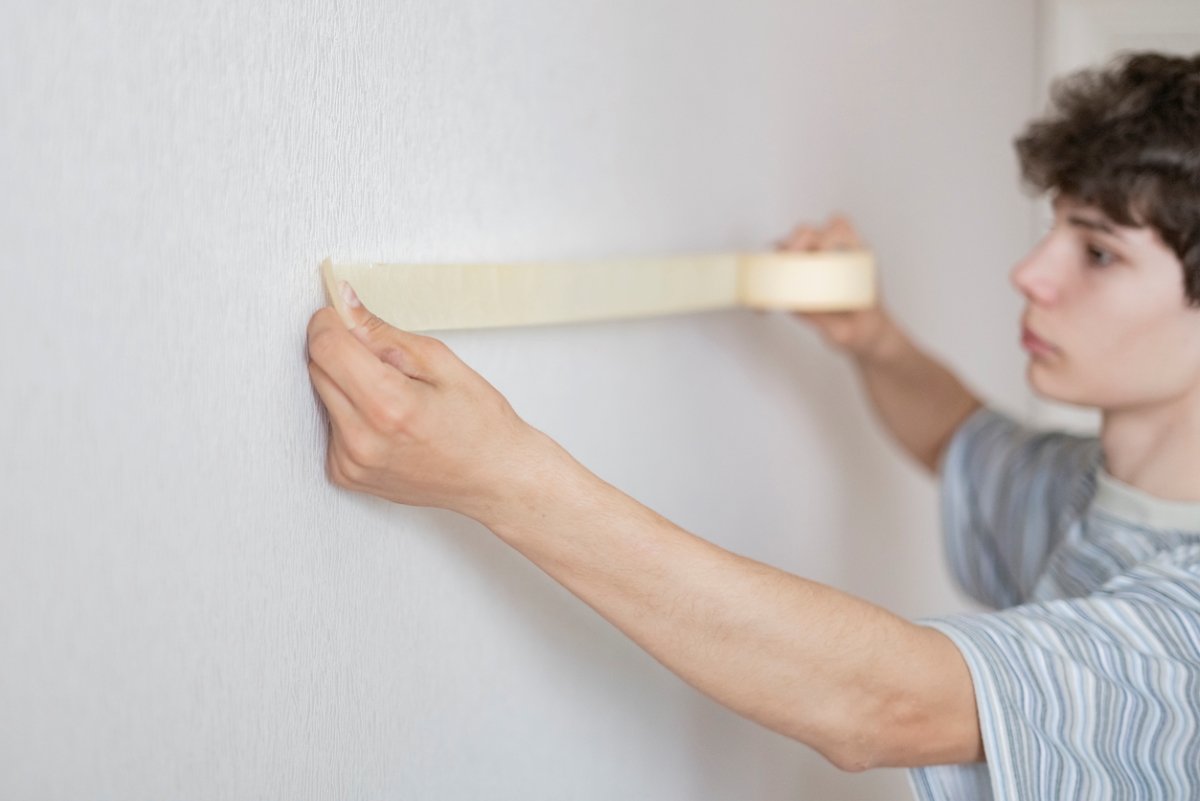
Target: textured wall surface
(188, 609)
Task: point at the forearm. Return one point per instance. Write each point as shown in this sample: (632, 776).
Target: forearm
(920, 401)
(413, 424)
(860, 685)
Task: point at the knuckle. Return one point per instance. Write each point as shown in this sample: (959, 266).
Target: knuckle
(320, 320)
(348, 471)
(354, 473)
(382, 335)
(390, 418)
(361, 451)
(437, 357)
(375, 326)
(431, 348)
(321, 343)
(333, 467)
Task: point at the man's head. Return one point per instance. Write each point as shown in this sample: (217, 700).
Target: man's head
(1113, 315)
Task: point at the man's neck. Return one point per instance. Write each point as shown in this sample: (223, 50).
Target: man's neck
(1156, 449)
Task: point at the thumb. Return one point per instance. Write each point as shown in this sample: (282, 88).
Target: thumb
(407, 352)
(840, 235)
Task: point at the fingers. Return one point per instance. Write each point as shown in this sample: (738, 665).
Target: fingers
(840, 235)
(342, 415)
(803, 238)
(341, 410)
(412, 354)
(837, 234)
(823, 316)
(357, 373)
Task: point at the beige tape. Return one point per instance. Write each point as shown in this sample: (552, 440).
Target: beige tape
(436, 297)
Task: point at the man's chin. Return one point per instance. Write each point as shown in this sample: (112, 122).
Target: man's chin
(1050, 386)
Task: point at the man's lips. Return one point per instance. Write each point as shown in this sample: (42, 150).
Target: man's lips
(1035, 344)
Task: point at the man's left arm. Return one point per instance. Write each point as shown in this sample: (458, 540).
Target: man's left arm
(865, 688)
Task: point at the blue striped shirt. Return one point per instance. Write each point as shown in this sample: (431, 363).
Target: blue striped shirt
(1088, 679)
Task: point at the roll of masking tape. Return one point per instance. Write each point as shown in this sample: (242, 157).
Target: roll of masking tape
(438, 297)
(828, 281)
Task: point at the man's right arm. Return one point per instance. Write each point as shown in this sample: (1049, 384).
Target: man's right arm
(920, 402)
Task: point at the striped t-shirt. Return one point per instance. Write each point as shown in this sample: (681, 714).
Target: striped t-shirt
(1088, 680)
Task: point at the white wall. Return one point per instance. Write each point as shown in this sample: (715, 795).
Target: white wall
(1083, 33)
(188, 609)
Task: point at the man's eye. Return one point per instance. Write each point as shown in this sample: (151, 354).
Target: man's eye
(1099, 256)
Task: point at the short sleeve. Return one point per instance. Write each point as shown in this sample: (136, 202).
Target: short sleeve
(1091, 697)
(1008, 495)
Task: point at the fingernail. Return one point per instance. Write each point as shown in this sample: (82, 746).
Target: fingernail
(348, 295)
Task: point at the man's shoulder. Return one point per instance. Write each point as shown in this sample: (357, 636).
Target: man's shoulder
(1006, 461)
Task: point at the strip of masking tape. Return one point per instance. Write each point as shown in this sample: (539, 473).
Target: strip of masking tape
(439, 297)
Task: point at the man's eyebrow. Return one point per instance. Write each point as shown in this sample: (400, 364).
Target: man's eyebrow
(1091, 224)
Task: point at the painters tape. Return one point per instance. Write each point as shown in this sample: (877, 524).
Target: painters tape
(438, 297)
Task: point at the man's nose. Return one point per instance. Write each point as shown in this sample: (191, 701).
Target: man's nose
(1039, 275)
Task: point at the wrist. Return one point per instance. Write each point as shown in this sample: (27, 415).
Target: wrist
(886, 343)
(538, 482)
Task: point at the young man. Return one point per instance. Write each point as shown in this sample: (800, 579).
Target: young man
(1088, 683)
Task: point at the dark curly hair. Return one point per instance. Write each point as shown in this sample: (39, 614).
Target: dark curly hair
(1125, 138)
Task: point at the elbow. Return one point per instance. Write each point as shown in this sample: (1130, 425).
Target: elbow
(852, 760)
(855, 744)
(903, 735)
(860, 748)
(877, 732)
(916, 716)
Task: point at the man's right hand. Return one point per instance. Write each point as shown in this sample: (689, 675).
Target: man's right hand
(920, 401)
(859, 333)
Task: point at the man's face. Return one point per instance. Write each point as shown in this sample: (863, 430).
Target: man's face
(1106, 320)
